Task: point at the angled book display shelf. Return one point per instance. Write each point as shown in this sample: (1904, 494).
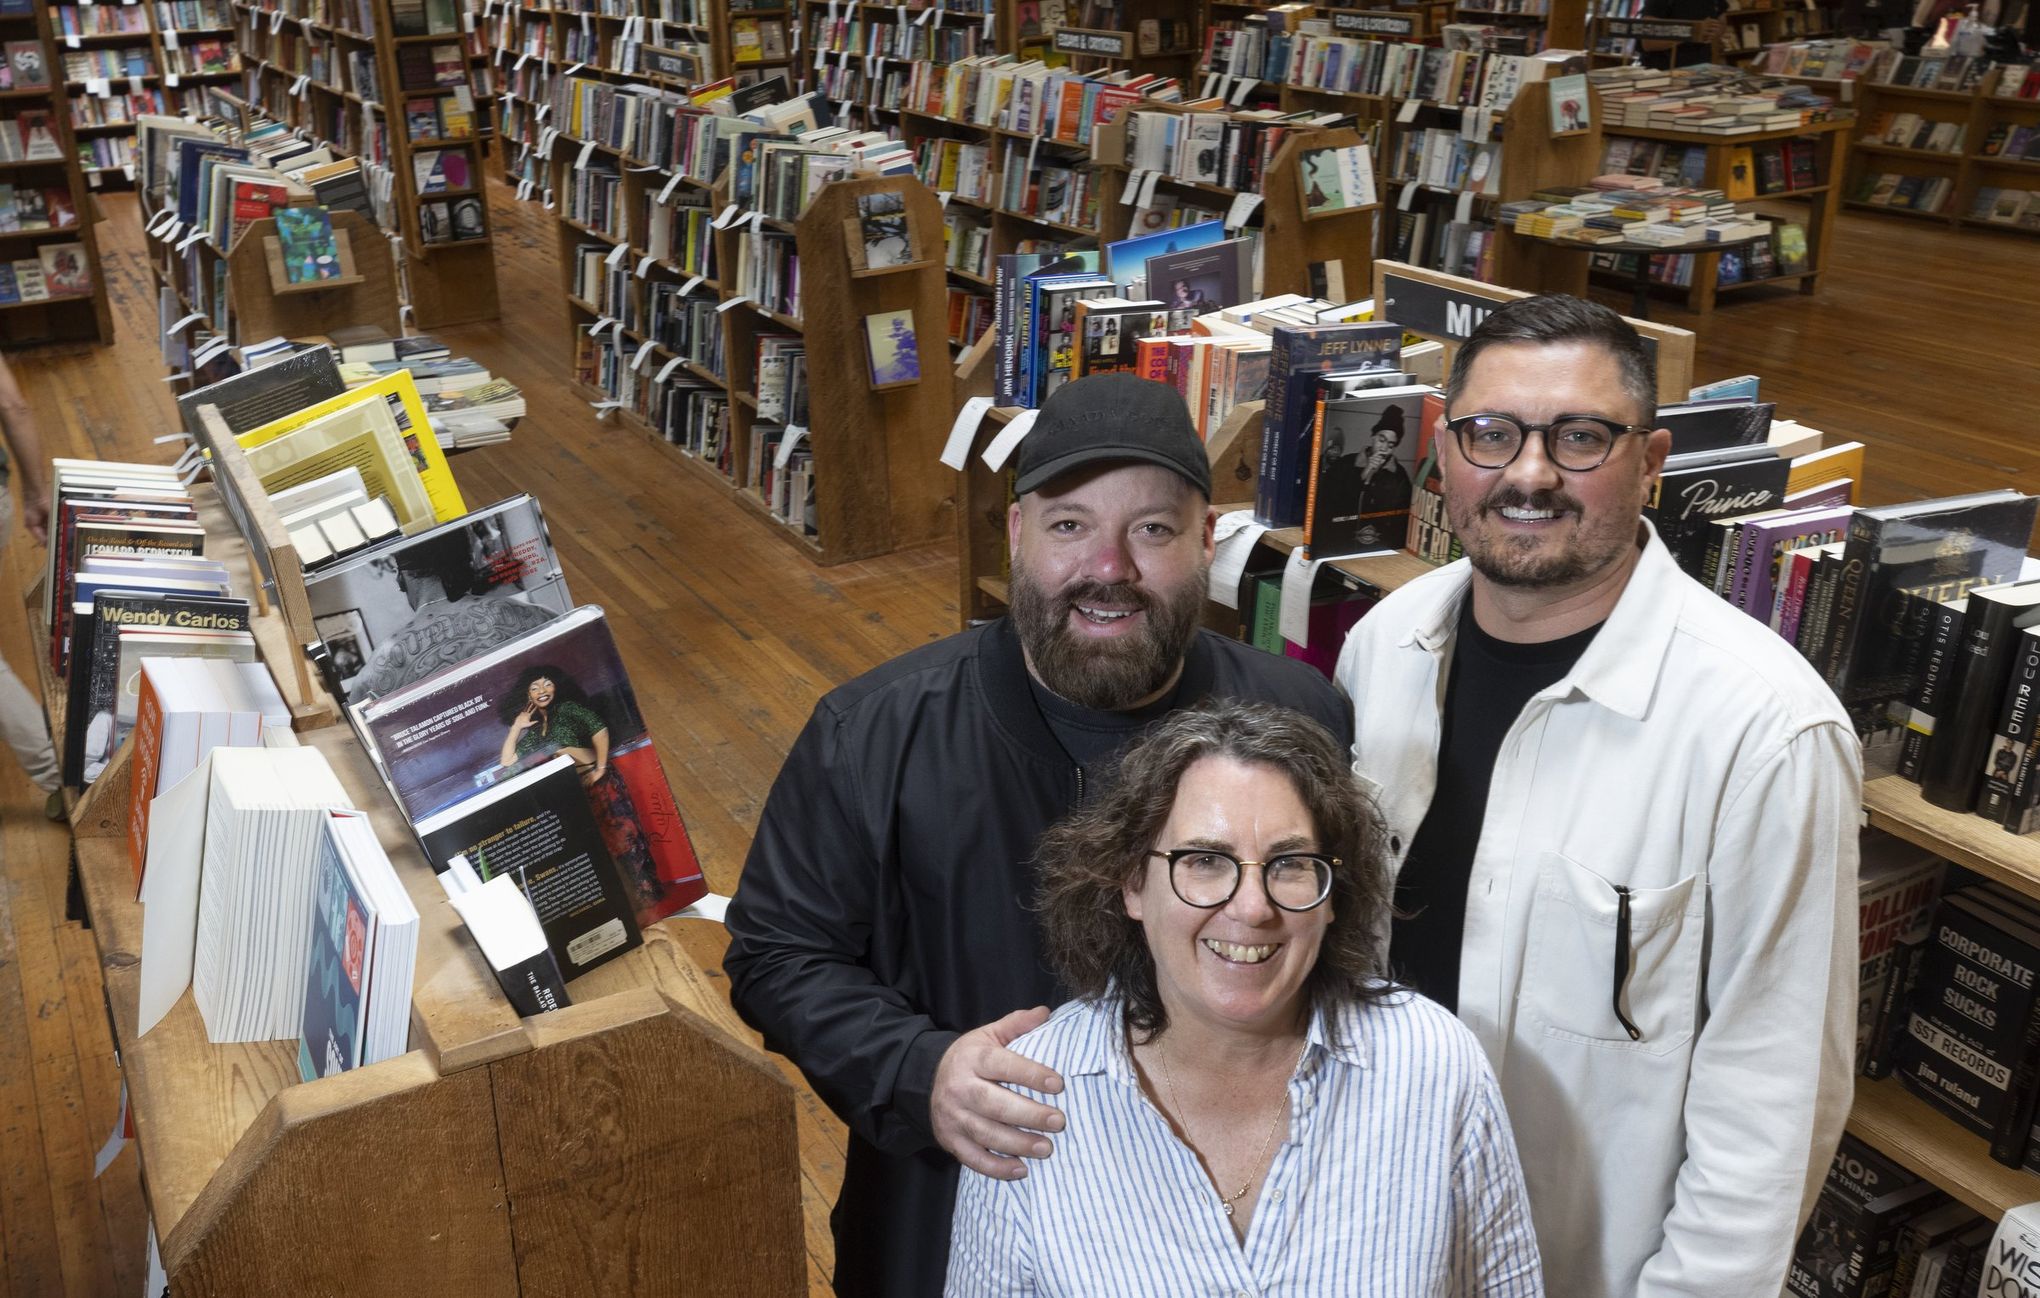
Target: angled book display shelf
(626, 1144)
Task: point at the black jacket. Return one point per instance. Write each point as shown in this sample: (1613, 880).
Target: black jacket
(883, 908)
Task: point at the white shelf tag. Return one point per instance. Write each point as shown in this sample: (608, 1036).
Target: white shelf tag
(616, 255)
(956, 451)
(644, 264)
(788, 444)
(732, 302)
(1009, 439)
(587, 152)
(1242, 209)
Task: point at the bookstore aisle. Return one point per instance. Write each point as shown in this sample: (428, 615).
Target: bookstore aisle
(1917, 345)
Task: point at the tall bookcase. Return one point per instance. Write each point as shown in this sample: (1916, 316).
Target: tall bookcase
(157, 56)
(686, 373)
(334, 68)
(68, 319)
(532, 44)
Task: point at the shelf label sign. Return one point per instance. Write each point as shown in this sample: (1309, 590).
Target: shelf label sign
(1444, 311)
(1373, 23)
(1649, 29)
(1079, 40)
(673, 65)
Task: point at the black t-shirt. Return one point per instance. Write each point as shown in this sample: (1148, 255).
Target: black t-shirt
(1092, 738)
(1686, 53)
(1489, 682)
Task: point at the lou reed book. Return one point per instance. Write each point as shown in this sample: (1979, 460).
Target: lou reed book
(1951, 773)
(1363, 465)
(559, 688)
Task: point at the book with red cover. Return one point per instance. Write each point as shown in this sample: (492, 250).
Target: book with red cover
(253, 201)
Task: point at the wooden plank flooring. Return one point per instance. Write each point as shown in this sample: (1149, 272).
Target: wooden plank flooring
(1915, 344)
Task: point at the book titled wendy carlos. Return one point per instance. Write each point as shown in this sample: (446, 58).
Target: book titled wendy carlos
(556, 689)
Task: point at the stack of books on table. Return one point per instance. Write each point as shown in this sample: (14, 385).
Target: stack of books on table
(466, 405)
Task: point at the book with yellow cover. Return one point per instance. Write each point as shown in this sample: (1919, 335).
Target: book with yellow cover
(360, 434)
(399, 392)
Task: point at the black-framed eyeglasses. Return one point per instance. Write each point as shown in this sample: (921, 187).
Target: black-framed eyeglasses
(1575, 443)
(1207, 878)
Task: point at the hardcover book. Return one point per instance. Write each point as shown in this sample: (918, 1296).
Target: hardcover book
(310, 252)
(1299, 355)
(1693, 491)
(1364, 465)
(536, 828)
(559, 688)
(1951, 772)
(401, 611)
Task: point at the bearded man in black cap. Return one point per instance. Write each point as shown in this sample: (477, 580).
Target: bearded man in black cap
(881, 935)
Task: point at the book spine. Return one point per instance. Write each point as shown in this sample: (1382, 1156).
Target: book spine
(1944, 626)
(2009, 1138)
(1714, 559)
(1265, 488)
(1002, 311)
(1813, 618)
(2014, 732)
(534, 986)
(1953, 766)
(1970, 1016)
(1847, 621)
(1792, 598)
(1894, 1007)
(143, 763)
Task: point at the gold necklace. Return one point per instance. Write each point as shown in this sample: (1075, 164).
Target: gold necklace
(1226, 1201)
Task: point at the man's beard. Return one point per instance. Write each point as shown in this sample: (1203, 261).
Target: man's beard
(1106, 674)
(1530, 566)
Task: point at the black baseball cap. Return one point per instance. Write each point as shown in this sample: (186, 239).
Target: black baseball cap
(1111, 417)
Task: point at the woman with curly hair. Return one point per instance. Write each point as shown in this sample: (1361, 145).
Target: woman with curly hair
(1249, 1105)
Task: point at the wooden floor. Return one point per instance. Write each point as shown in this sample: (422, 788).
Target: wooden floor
(1916, 345)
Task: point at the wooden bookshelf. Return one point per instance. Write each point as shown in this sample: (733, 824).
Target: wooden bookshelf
(237, 1154)
(532, 45)
(871, 450)
(85, 317)
(1812, 206)
(330, 68)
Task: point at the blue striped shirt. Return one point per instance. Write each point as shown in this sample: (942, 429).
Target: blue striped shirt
(1398, 1177)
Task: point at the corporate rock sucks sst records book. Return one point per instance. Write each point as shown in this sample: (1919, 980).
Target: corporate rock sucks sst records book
(559, 688)
(398, 612)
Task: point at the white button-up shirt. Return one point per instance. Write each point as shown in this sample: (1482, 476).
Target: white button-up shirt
(1693, 757)
(1396, 1177)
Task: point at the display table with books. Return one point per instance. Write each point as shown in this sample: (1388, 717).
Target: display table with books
(445, 1142)
(1709, 254)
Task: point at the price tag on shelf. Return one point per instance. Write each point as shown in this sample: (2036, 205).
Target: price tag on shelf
(732, 302)
(1147, 189)
(644, 264)
(70, 41)
(988, 23)
(942, 196)
(1243, 206)
(672, 183)
(795, 435)
(587, 152)
(99, 87)
(523, 191)
(926, 14)
(1009, 439)
(956, 450)
(757, 221)
(522, 59)
(604, 409)
(185, 323)
(571, 71)
(1408, 112)
(1298, 576)
(615, 255)
(170, 437)
(1464, 212)
(190, 238)
(1131, 194)
(548, 201)
(644, 354)
(170, 79)
(602, 323)
(1245, 88)
(690, 286)
(723, 218)
(275, 21)
(666, 370)
(298, 87)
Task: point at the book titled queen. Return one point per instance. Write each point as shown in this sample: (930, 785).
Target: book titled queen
(557, 689)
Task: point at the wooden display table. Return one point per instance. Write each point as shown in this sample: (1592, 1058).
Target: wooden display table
(633, 1143)
(1822, 199)
(1706, 268)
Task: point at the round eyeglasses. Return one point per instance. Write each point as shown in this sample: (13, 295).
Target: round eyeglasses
(1207, 878)
(1576, 443)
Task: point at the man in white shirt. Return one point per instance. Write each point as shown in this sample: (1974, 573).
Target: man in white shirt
(1623, 816)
